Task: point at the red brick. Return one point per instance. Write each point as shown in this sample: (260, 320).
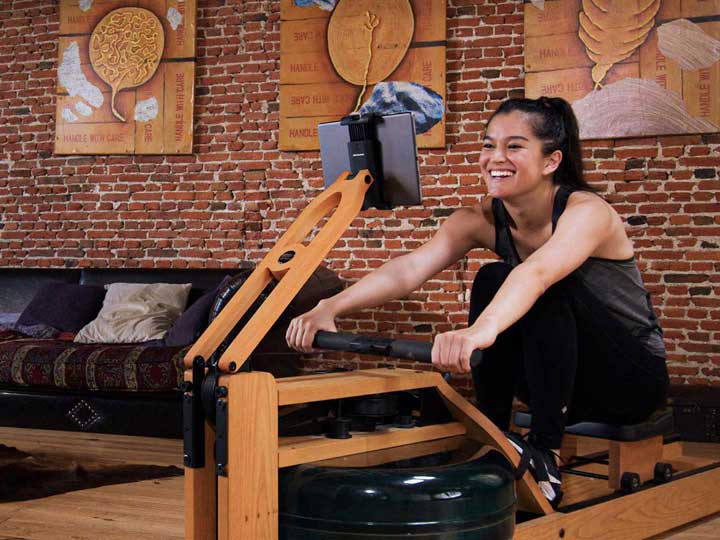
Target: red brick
(231, 199)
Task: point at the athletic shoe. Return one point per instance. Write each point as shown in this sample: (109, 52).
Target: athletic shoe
(542, 465)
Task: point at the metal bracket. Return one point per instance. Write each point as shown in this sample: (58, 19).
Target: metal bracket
(221, 431)
(194, 417)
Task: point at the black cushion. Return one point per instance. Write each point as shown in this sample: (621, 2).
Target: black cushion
(194, 320)
(64, 306)
(19, 285)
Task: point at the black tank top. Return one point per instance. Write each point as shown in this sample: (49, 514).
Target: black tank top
(615, 284)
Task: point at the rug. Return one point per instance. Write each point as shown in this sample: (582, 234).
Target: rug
(25, 476)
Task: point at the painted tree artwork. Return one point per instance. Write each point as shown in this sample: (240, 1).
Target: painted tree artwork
(344, 56)
(126, 73)
(629, 67)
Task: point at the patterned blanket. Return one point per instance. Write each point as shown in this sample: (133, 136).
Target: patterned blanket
(62, 364)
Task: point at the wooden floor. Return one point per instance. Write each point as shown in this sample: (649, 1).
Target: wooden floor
(147, 510)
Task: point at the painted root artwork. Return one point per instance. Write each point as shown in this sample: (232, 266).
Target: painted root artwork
(629, 67)
(343, 56)
(125, 77)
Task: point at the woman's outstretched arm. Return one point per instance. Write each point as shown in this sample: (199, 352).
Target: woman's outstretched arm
(398, 277)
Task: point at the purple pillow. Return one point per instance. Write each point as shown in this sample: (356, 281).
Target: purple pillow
(192, 322)
(40, 331)
(65, 306)
(8, 318)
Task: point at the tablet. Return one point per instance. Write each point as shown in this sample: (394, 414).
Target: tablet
(397, 151)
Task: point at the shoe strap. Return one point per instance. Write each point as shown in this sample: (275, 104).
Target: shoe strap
(524, 463)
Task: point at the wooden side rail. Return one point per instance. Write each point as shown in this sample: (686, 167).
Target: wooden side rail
(479, 427)
(633, 517)
(307, 389)
(200, 489)
(396, 453)
(297, 450)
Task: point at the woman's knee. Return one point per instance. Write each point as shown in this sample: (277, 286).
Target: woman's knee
(486, 283)
(493, 273)
(555, 302)
(550, 325)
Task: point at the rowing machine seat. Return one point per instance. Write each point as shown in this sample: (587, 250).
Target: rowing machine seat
(659, 423)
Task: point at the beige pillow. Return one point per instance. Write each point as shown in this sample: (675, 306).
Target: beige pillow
(134, 312)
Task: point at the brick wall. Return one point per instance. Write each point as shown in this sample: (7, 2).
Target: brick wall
(229, 201)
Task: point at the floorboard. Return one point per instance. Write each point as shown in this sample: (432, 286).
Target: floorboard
(151, 509)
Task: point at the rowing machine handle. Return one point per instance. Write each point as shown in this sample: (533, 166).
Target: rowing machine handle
(419, 351)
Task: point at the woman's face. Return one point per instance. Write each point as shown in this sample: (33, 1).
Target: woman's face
(512, 160)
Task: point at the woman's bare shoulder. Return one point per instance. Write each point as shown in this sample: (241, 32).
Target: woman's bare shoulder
(591, 202)
(475, 222)
(591, 205)
(479, 214)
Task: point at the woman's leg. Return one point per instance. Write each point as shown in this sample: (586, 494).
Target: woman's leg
(496, 378)
(566, 356)
(520, 363)
(581, 362)
(535, 359)
(550, 362)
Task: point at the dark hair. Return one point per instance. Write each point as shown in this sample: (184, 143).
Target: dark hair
(554, 123)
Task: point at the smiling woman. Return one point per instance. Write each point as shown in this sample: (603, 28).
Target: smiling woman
(565, 321)
(539, 133)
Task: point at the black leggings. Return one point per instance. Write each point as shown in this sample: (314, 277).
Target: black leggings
(567, 358)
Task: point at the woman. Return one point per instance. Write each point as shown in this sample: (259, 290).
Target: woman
(564, 321)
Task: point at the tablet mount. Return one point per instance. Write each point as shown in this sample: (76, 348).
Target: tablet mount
(365, 153)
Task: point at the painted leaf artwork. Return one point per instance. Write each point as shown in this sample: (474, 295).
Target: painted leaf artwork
(344, 56)
(352, 30)
(611, 31)
(125, 77)
(125, 49)
(628, 67)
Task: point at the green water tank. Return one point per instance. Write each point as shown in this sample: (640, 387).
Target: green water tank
(429, 498)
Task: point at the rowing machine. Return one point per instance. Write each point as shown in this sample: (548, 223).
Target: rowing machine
(233, 451)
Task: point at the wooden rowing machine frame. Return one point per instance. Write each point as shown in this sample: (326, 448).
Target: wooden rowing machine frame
(231, 474)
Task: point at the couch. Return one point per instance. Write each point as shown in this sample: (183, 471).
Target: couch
(133, 389)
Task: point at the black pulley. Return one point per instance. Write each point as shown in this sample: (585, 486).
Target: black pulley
(376, 405)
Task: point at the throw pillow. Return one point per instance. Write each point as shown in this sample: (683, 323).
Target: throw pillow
(135, 312)
(194, 319)
(39, 331)
(7, 318)
(65, 306)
